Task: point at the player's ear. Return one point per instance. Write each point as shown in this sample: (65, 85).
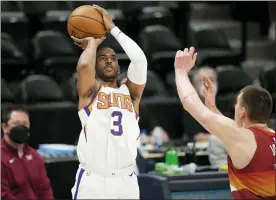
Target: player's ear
(243, 113)
(118, 69)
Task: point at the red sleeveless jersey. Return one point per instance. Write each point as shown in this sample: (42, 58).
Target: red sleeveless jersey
(258, 179)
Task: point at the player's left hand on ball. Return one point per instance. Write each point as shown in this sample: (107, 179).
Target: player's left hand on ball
(107, 18)
(185, 60)
(82, 43)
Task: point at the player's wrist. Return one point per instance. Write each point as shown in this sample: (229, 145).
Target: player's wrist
(111, 26)
(115, 31)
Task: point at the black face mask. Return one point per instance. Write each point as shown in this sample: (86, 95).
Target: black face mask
(19, 134)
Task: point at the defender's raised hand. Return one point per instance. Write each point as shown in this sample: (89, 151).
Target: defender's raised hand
(209, 92)
(185, 60)
(82, 43)
(107, 18)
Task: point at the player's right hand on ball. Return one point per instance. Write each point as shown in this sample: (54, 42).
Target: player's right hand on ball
(83, 43)
(107, 18)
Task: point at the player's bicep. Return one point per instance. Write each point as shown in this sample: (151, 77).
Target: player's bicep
(136, 92)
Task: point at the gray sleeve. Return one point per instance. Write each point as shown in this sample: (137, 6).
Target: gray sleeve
(217, 152)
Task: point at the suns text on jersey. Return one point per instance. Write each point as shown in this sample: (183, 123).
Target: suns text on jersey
(118, 100)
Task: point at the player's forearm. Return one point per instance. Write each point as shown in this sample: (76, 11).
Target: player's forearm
(133, 51)
(214, 109)
(184, 88)
(137, 71)
(88, 56)
(189, 97)
(86, 73)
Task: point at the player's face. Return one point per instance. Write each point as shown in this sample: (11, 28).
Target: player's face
(240, 112)
(107, 67)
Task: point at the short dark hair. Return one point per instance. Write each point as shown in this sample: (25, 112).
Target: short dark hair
(102, 47)
(258, 103)
(6, 112)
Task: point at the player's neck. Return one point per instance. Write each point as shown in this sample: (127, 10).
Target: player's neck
(112, 84)
(261, 125)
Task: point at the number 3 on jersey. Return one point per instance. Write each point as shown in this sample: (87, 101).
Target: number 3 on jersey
(117, 123)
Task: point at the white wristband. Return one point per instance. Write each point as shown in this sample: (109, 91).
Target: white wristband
(115, 31)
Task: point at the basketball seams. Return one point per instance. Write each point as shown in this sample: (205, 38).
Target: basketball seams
(80, 20)
(84, 31)
(86, 17)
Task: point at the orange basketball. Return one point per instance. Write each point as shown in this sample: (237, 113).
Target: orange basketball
(85, 21)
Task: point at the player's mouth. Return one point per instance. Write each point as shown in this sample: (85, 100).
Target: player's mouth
(108, 68)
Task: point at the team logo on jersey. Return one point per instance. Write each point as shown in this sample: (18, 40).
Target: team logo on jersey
(118, 100)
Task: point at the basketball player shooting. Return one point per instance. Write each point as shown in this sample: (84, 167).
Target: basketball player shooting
(107, 146)
(250, 144)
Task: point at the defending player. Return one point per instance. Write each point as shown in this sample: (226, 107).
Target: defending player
(249, 142)
(107, 146)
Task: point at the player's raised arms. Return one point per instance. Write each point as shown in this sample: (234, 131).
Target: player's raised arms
(239, 142)
(86, 69)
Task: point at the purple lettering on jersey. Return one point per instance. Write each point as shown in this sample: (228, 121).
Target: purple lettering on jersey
(117, 123)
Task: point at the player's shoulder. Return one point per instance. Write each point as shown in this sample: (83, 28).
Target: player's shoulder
(123, 88)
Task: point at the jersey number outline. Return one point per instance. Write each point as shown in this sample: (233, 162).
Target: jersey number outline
(117, 123)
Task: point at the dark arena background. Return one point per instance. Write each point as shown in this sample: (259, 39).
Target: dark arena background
(38, 63)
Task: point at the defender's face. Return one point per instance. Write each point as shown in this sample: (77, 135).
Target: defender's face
(107, 67)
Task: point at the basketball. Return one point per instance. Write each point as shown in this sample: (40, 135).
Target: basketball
(85, 21)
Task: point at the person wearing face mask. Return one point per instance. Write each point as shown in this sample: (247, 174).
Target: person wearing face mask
(23, 173)
(197, 82)
(216, 150)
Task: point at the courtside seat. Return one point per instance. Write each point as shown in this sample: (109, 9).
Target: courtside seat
(17, 25)
(214, 49)
(10, 6)
(75, 4)
(39, 88)
(155, 15)
(6, 93)
(14, 61)
(131, 8)
(56, 53)
(53, 119)
(54, 122)
(69, 88)
(231, 79)
(268, 78)
(40, 8)
(156, 112)
(160, 52)
(56, 20)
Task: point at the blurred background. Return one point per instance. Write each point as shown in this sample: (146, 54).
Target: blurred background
(235, 42)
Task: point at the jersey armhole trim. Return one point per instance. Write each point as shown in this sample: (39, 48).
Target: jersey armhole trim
(134, 111)
(88, 108)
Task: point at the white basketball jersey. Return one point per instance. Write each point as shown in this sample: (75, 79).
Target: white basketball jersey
(110, 130)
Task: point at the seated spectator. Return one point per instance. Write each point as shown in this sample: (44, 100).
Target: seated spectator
(197, 82)
(23, 171)
(216, 150)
